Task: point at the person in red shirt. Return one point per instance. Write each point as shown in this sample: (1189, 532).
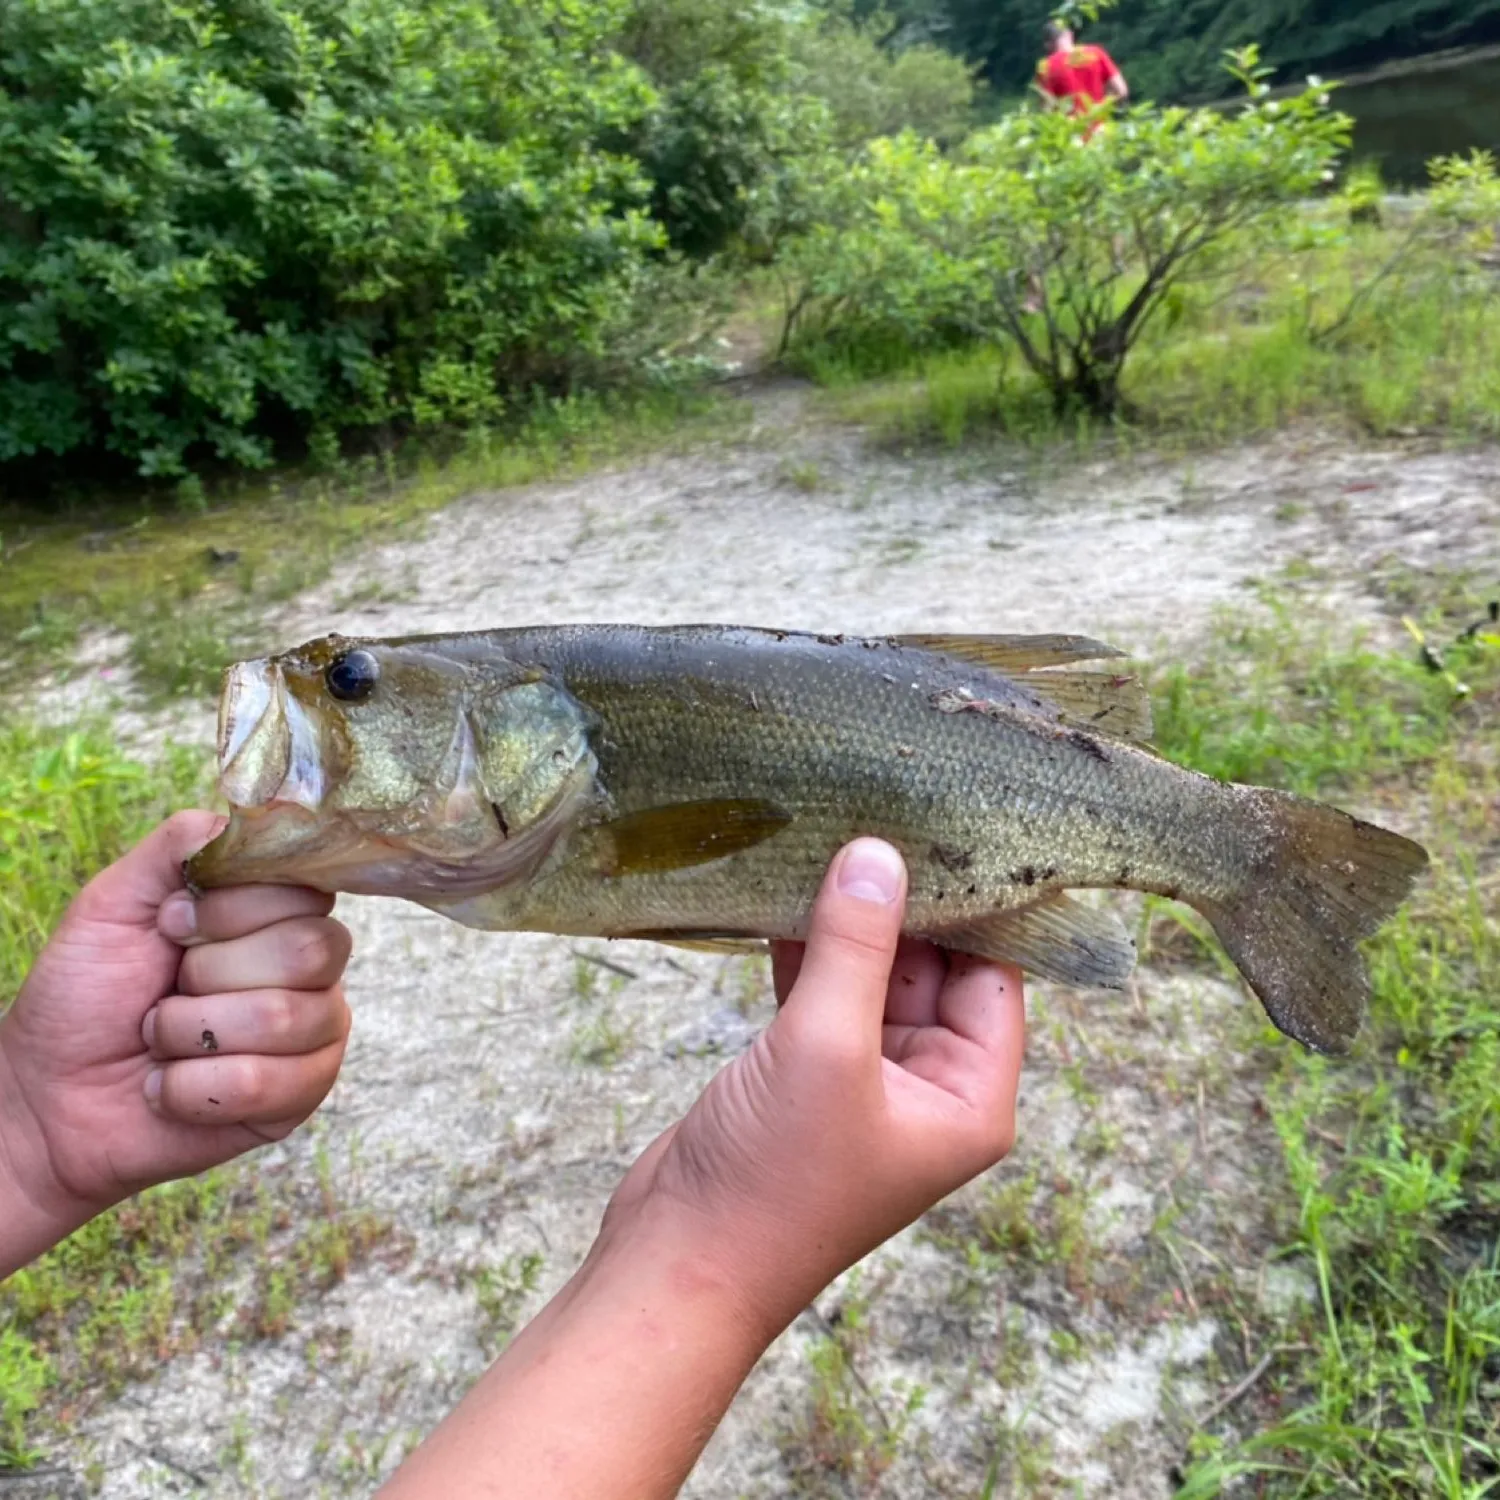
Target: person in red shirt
(1085, 75)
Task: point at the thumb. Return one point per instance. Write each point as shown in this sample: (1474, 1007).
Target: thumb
(856, 922)
(128, 893)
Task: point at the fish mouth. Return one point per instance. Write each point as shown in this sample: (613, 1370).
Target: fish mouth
(269, 746)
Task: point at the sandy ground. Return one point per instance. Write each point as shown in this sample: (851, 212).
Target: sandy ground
(1045, 1327)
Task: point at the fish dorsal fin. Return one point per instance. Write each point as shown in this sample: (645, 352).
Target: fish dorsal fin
(1112, 703)
(1057, 938)
(1014, 653)
(685, 834)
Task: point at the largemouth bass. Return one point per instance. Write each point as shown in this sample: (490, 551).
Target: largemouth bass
(691, 784)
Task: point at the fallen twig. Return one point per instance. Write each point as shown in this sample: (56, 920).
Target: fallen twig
(1237, 1392)
(604, 963)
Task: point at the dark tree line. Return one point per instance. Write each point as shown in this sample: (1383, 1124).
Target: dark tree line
(1172, 49)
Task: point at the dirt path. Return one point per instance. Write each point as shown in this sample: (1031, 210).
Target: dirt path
(497, 1086)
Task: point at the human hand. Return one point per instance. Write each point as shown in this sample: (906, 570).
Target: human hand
(157, 1036)
(887, 1080)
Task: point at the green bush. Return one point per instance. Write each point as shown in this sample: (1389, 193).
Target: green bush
(1059, 239)
(726, 118)
(220, 230)
(753, 98)
(873, 88)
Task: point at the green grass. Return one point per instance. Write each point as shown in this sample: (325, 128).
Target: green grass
(852, 1430)
(231, 1254)
(70, 802)
(189, 583)
(1291, 702)
(1389, 1386)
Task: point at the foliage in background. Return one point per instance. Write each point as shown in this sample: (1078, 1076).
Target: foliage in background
(725, 117)
(751, 99)
(323, 216)
(228, 243)
(874, 85)
(1063, 248)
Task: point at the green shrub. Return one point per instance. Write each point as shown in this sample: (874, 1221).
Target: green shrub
(873, 88)
(751, 99)
(311, 216)
(726, 118)
(1065, 241)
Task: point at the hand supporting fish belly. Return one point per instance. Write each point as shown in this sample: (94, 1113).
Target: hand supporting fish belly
(690, 785)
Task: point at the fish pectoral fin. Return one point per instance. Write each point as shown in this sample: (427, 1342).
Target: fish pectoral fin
(1112, 703)
(686, 834)
(1058, 938)
(1014, 653)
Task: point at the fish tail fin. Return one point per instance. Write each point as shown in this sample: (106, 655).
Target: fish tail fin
(1327, 881)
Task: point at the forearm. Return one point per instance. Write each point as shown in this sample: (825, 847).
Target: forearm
(612, 1392)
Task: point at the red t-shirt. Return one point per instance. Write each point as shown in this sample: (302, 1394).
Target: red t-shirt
(1079, 75)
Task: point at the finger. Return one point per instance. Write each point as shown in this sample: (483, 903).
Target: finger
(305, 953)
(984, 1004)
(916, 980)
(786, 965)
(279, 1023)
(131, 891)
(980, 999)
(220, 915)
(839, 997)
(273, 1093)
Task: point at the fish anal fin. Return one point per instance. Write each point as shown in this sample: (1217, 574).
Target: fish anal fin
(1014, 653)
(692, 942)
(1057, 938)
(683, 835)
(1112, 703)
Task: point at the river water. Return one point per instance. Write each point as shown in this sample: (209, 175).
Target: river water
(1404, 117)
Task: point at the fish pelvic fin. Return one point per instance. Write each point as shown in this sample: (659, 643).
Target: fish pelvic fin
(1057, 938)
(1331, 881)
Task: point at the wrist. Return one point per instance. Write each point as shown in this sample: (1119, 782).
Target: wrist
(735, 1273)
(35, 1211)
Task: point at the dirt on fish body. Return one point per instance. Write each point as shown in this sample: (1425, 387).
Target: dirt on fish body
(690, 784)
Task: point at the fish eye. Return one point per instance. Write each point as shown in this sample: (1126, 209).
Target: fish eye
(352, 677)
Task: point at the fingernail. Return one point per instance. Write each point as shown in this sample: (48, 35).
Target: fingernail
(153, 1089)
(871, 871)
(148, 1030)
(178, 918)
